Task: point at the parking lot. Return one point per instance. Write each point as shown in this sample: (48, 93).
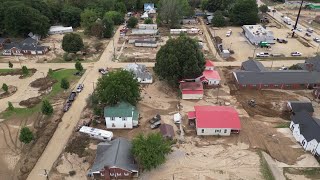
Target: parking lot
(243, 48)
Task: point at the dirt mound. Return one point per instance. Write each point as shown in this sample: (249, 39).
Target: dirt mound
(43, 83)
(11, 91)
(31, 102)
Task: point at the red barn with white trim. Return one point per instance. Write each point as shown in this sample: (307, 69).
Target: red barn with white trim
(191, 90)
(215, 120)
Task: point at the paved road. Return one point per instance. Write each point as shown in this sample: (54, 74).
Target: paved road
(71, 118)
(277, 15)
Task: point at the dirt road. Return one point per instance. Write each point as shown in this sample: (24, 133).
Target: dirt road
(71, 118)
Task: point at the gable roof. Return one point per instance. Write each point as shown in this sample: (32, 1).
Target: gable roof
(189, 87)
(122, 109)
(298, 106)
(139, 70)
(309, 126)
(209, 63)
(29, 41)
(217, 117)
(277, 77)
(315, 61)
(211, 74)
(116, 153)
(253, 65)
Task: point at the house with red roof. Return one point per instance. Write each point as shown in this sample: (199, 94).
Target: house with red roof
(191, 90)
(209, 76)
(215, 120)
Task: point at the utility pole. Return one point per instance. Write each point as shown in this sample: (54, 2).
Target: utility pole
(295, 25)
(218, 94)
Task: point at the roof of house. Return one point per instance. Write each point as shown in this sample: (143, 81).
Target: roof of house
(191, 115)
(145, 41)
(315, 61)
(211, 74)
(209, 63)
(277, 77)
(139, 70)
(217, 117)
(309, 126)
(122, 109)
(29, 41)
(3, 40)
(191, 87)
(253, 65)
(26, 47)
(167, 130)
(298, 106)
(115, 153)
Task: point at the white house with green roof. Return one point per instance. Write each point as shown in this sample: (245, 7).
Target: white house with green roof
(121, 116)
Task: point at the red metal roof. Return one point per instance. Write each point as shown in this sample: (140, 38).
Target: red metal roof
(209, 63)
(209, 74)
(217, 117)
(191, 87)
(191, 115)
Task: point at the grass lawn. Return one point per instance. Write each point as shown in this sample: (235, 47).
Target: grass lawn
(283, 125)
(6, 70)
(56, 89)
(264, 168)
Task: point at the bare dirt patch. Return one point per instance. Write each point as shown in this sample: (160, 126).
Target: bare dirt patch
(43, 83)
(31, 102)
(77, 145)
(11, 91)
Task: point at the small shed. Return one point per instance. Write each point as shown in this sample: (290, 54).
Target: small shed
(143, 43)
(191, 90)
(193, 31)
(177, 118)
(59, 29)
(167, 131)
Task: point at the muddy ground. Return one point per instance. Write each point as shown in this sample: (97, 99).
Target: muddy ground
(43, 83)
(11, 91)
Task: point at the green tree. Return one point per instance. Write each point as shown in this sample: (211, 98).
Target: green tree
(150, 150)
(25, 70)
(64, 83)
(179, 59)
(10, 64)
(118, 86)
(263, 8)
(26, 135)
(244, 12)
(10, 106)
(115, 16)
(88, 18)
(72, 43)
(172, 11)
(295, 67)
(78, 66)
(148, 21)
(5, 87)
(109, 27)
(97, 30)
(214, 5)
(42, 7)
(218, 19)
(50, 72)
(19, 20)
(132, 22)
(70, 16)
(120, 7)
(46, 108)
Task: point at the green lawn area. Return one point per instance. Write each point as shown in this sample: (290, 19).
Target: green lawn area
(283, 125)
(264, 168)
(56, 89)
(6, 70)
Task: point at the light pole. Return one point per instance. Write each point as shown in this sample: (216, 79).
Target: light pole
(254, 51)
(295, 25)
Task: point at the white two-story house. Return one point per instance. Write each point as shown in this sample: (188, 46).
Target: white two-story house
(306, 131)
(121, 116)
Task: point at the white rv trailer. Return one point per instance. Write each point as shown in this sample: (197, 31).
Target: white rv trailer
(97, 133)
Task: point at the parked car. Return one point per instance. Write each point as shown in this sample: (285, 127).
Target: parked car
(283, 68)
(79, 73)
(316, 40)
(282, 41)
(67, 106)
(80, 88)
(296, 53)
(155, 125)
(310, 30)
(308, 34)
(72, 96)
(263, 54)
(103, 71)
(155, 119)
(228, 34)
(299, 29)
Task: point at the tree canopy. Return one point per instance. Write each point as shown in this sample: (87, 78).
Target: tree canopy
(148, 21)
(72, 43)
(150, 150)
(88, 18)
(218, 19)
(5, 87)
(26, 135)
(78, 66)
(263, 8)
(179, 59)
(132, 22)
(64, 83)
(244, 12)
(172, 11)
(46, 108)
(118, 86)
(70, 16)
(108, 27)
(115, 16)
